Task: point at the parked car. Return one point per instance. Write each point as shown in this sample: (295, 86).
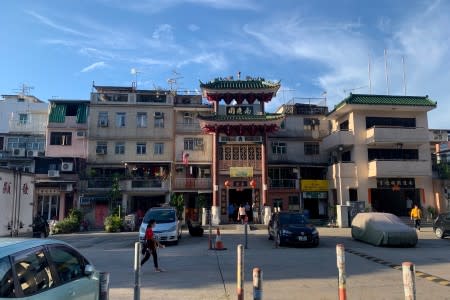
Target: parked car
(292, 228)
(441, 225)
(383, 229)
(45, 269)
(167, 228)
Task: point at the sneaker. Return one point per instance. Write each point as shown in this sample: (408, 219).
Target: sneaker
(159, 270)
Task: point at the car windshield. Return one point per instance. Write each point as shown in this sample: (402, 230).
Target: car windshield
(160, 216)
(293, 219)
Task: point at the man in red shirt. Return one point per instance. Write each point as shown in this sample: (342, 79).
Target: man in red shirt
(150, 246)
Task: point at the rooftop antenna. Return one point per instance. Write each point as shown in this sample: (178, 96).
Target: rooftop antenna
(386, 71)
(354, 89)
(404, 74)
(134, 72)
(24, 90)
(173, 81)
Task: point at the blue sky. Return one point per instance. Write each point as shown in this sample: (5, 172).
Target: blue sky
(60, 47)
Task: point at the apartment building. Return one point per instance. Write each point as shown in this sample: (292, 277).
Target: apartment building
(380, 154)
(297, 165)
(440, 155)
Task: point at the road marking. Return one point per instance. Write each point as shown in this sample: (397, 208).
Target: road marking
(419, 274)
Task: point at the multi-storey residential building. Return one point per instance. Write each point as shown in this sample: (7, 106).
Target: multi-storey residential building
(23, 120)
(192, 161)
(380, 153)
(296, 165)
(239, 126)
(130, 141)
(440, 150)
(56, 176)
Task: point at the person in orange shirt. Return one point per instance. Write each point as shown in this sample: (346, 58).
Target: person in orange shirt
(416, 214)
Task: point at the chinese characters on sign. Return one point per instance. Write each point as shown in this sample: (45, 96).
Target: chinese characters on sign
(239, 110)
(395, 183)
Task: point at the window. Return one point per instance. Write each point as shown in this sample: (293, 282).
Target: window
(102, 119)
(120, 119)
(279, 148)
(193, 144)
(311, 148)
(23, 118)
(188, 118)
(158, 149)
(61, 138)
(6, 279)
(33, 272)
(310, 123)
(141, 120)
(2, 142)
(120, 148)
(390, 122)
(48, 205)
(68, 264)
(141, 148)
(159, 119)
(343, 126)
(102, 148)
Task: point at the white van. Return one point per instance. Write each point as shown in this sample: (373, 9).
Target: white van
(167, 228)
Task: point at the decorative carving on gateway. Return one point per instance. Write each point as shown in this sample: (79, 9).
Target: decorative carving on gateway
(240, 152)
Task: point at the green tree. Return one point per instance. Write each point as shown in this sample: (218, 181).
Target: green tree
(177, 201)
(115, 194)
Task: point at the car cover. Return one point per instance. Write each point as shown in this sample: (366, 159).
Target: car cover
(383, 229)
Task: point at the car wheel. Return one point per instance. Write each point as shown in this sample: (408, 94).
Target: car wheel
(439, 233)
(278, 241)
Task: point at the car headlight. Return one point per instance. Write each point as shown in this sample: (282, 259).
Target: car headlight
(285, 231)
(314, 232)
(173, 228)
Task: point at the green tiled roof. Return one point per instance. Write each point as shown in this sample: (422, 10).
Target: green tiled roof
(253, 83)
(266, 117)
(386, 100)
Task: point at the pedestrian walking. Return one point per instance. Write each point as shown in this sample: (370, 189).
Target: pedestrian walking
(242, 214)
(150, 246)
(416, 215)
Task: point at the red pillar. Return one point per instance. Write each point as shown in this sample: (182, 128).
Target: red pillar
(215, 170)
(264, 170)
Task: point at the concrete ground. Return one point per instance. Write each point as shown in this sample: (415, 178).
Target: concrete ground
(195, 272)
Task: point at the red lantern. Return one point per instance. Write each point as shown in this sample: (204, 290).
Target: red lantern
(253, 183)
(227, 183)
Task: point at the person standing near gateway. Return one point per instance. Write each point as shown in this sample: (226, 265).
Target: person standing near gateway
(150, 246)
(416, 214)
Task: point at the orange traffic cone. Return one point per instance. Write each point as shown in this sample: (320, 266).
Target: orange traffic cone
(219, 243)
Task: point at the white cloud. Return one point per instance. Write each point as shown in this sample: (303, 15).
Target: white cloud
(94, 66)
(54, 25)
(163, 32)
(216, 61)
(193, 27)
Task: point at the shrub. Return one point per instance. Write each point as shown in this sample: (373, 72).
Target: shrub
(113, 223)
(69, 224)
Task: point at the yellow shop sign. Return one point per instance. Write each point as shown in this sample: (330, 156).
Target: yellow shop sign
(241, 171)
(309, 185)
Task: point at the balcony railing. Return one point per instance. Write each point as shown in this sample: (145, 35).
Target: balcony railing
(283, 183)
(193, 183)
(404, 135)
(226, 164)
(399, 168)
(186, 127)
(69, 122)
(341, 137)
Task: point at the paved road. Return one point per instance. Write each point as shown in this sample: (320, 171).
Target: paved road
(194, 272)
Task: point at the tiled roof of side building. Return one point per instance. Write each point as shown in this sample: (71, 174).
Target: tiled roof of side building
(266, 117)
(253, 83)
(364, 99)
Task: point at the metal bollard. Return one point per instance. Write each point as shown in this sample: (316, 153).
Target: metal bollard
(257, 284)
(340, 259)
(137, 268)
(240, 272)
(246, 235)
(104, 285)
(409, 280)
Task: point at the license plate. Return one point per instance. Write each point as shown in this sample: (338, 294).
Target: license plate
(302, 238)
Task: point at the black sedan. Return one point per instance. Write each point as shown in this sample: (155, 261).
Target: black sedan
(292, 228)
(441, 225)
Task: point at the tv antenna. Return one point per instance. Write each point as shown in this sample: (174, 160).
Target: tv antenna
(354, 89)
(173, 80)
(24, 89)
(135, 72)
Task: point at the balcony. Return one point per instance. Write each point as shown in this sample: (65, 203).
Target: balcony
(36, 124)
(399, 168)
(276, 184)
(342, 170)
(188, 128)
(143, 184)
(193, 184)
(226, 164)
(69, 122)
(341, 137)
(387, 135)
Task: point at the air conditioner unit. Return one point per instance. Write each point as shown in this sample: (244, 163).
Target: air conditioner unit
(158, 114)
(100, 151)
(81, 134)
(103, 123)
(66, 167)
(18, 152)
(32, 153)
(53, 173)
(67, 187)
